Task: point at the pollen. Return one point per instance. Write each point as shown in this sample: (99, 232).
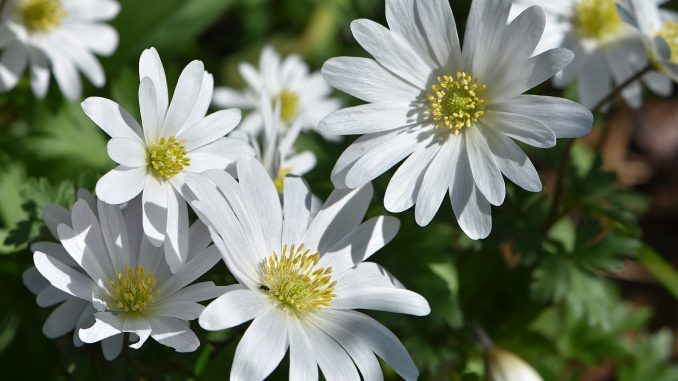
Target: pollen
(167, 158)
(280, 179)
(289, 105)
(669, 32)
(39, 16)
(597, 19)
(133, 290)
(295, 282)
(456, 102)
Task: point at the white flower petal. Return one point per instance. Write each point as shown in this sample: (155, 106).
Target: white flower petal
(121, 184)
(565, 118)
(112, 346)
(202, 103)
(12, 65)
(342, 211)
(403, 19)
(33, 280)
(237, 306)
(520, 127)
(335, 364)
(302, 364)
(368, 118)
(126, 152)
(178, 309)
(101, 39)
(296, 209)
(51, 296)
(377, 161)
(105, 326)
(155, 200)
(151, 66)
(151, 118)
(365, 79)
(594, 81)
(210, 129)
(174, 333)
(486, 175)
(382, 299)
(440, 28)
(190, 271)
(176, 241)
(218, 155)
(469, 205)
(40, 73)
(405, 185)
(436, 181)
(184, 98)
(513, 162)
(486, 21)
(227, 97)
(392, 51)
(261, 348)
(112, 118)
(63, 319)
(115, 235)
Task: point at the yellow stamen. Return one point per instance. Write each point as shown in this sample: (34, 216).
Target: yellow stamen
(669, 32)
(295, 282)
(289, 105)
(133, 290)
(280, 179)
(40, 15)
(597, 19)
(167, 158)
(456, 101)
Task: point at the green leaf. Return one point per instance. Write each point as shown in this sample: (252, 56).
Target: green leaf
(660, 269)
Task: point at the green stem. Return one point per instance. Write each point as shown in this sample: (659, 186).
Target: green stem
(661, 270)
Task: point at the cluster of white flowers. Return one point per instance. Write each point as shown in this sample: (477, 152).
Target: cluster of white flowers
(127, 263)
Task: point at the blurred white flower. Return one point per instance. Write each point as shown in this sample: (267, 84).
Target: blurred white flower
(506, 366)
(72, 313)
(608, 52)
(106, 261)
(277, 153)
(452, 115)
(176, 141)
(303, 96)
(659, 30)
(59, 37)
(301, 277)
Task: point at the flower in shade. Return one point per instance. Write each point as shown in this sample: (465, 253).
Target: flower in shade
(72, 313)
(303, 96)
(300, 278)
(451, 115)
(124, 281)
(607, 51)
(505, 366)
(55, 36)
(177, 140)
(659, 30)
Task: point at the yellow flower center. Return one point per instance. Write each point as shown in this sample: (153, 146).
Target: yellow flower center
(289, 105)
(280, 179)
(167, 158)
(456, 101)
(133, 290)
(295, 282)
(597, 19)
(41, 15)
(669, 32)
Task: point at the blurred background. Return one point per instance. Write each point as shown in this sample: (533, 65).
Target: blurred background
(592, 297)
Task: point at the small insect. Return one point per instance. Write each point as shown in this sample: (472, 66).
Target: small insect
(264, 288)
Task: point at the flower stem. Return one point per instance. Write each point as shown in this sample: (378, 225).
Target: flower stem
(554, 215)
(483, 337)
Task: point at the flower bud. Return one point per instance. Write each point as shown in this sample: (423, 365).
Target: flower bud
(506, 366)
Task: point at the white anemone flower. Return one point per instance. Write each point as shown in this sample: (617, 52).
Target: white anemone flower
(505, 366)
(72, 313)
(608, 52)
(302, 277)
(177, 140)
(452, 115)
(304, 97)
(659, 29)
(56, 36)
(124, 280)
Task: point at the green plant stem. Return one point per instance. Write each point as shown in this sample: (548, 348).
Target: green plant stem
(554, 214)
(661, 270)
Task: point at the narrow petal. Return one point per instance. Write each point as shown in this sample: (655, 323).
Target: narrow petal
(184, 98)
(296, 209)
(63, 277)
(469, 205)
(405, 185)
(486, 175)
(63, 319)
(126, 152)
(235, 307)
(211, 128)
(105, 326)
(436, 181)
(151, 66)
(176, 242)
(261, 348)
(151, 119)
(512, 162)
(154, 201)
(369, 118)
(174, 333)
(112, 118)
(520, 127)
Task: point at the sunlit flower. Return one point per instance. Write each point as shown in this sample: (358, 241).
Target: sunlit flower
(124, 280)
(72, 313)
(303, 96)
(607, 51)
(301, 278)
(659, 30)
(56, 36)
(176, 140)
(506, 366)
(452, 115)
